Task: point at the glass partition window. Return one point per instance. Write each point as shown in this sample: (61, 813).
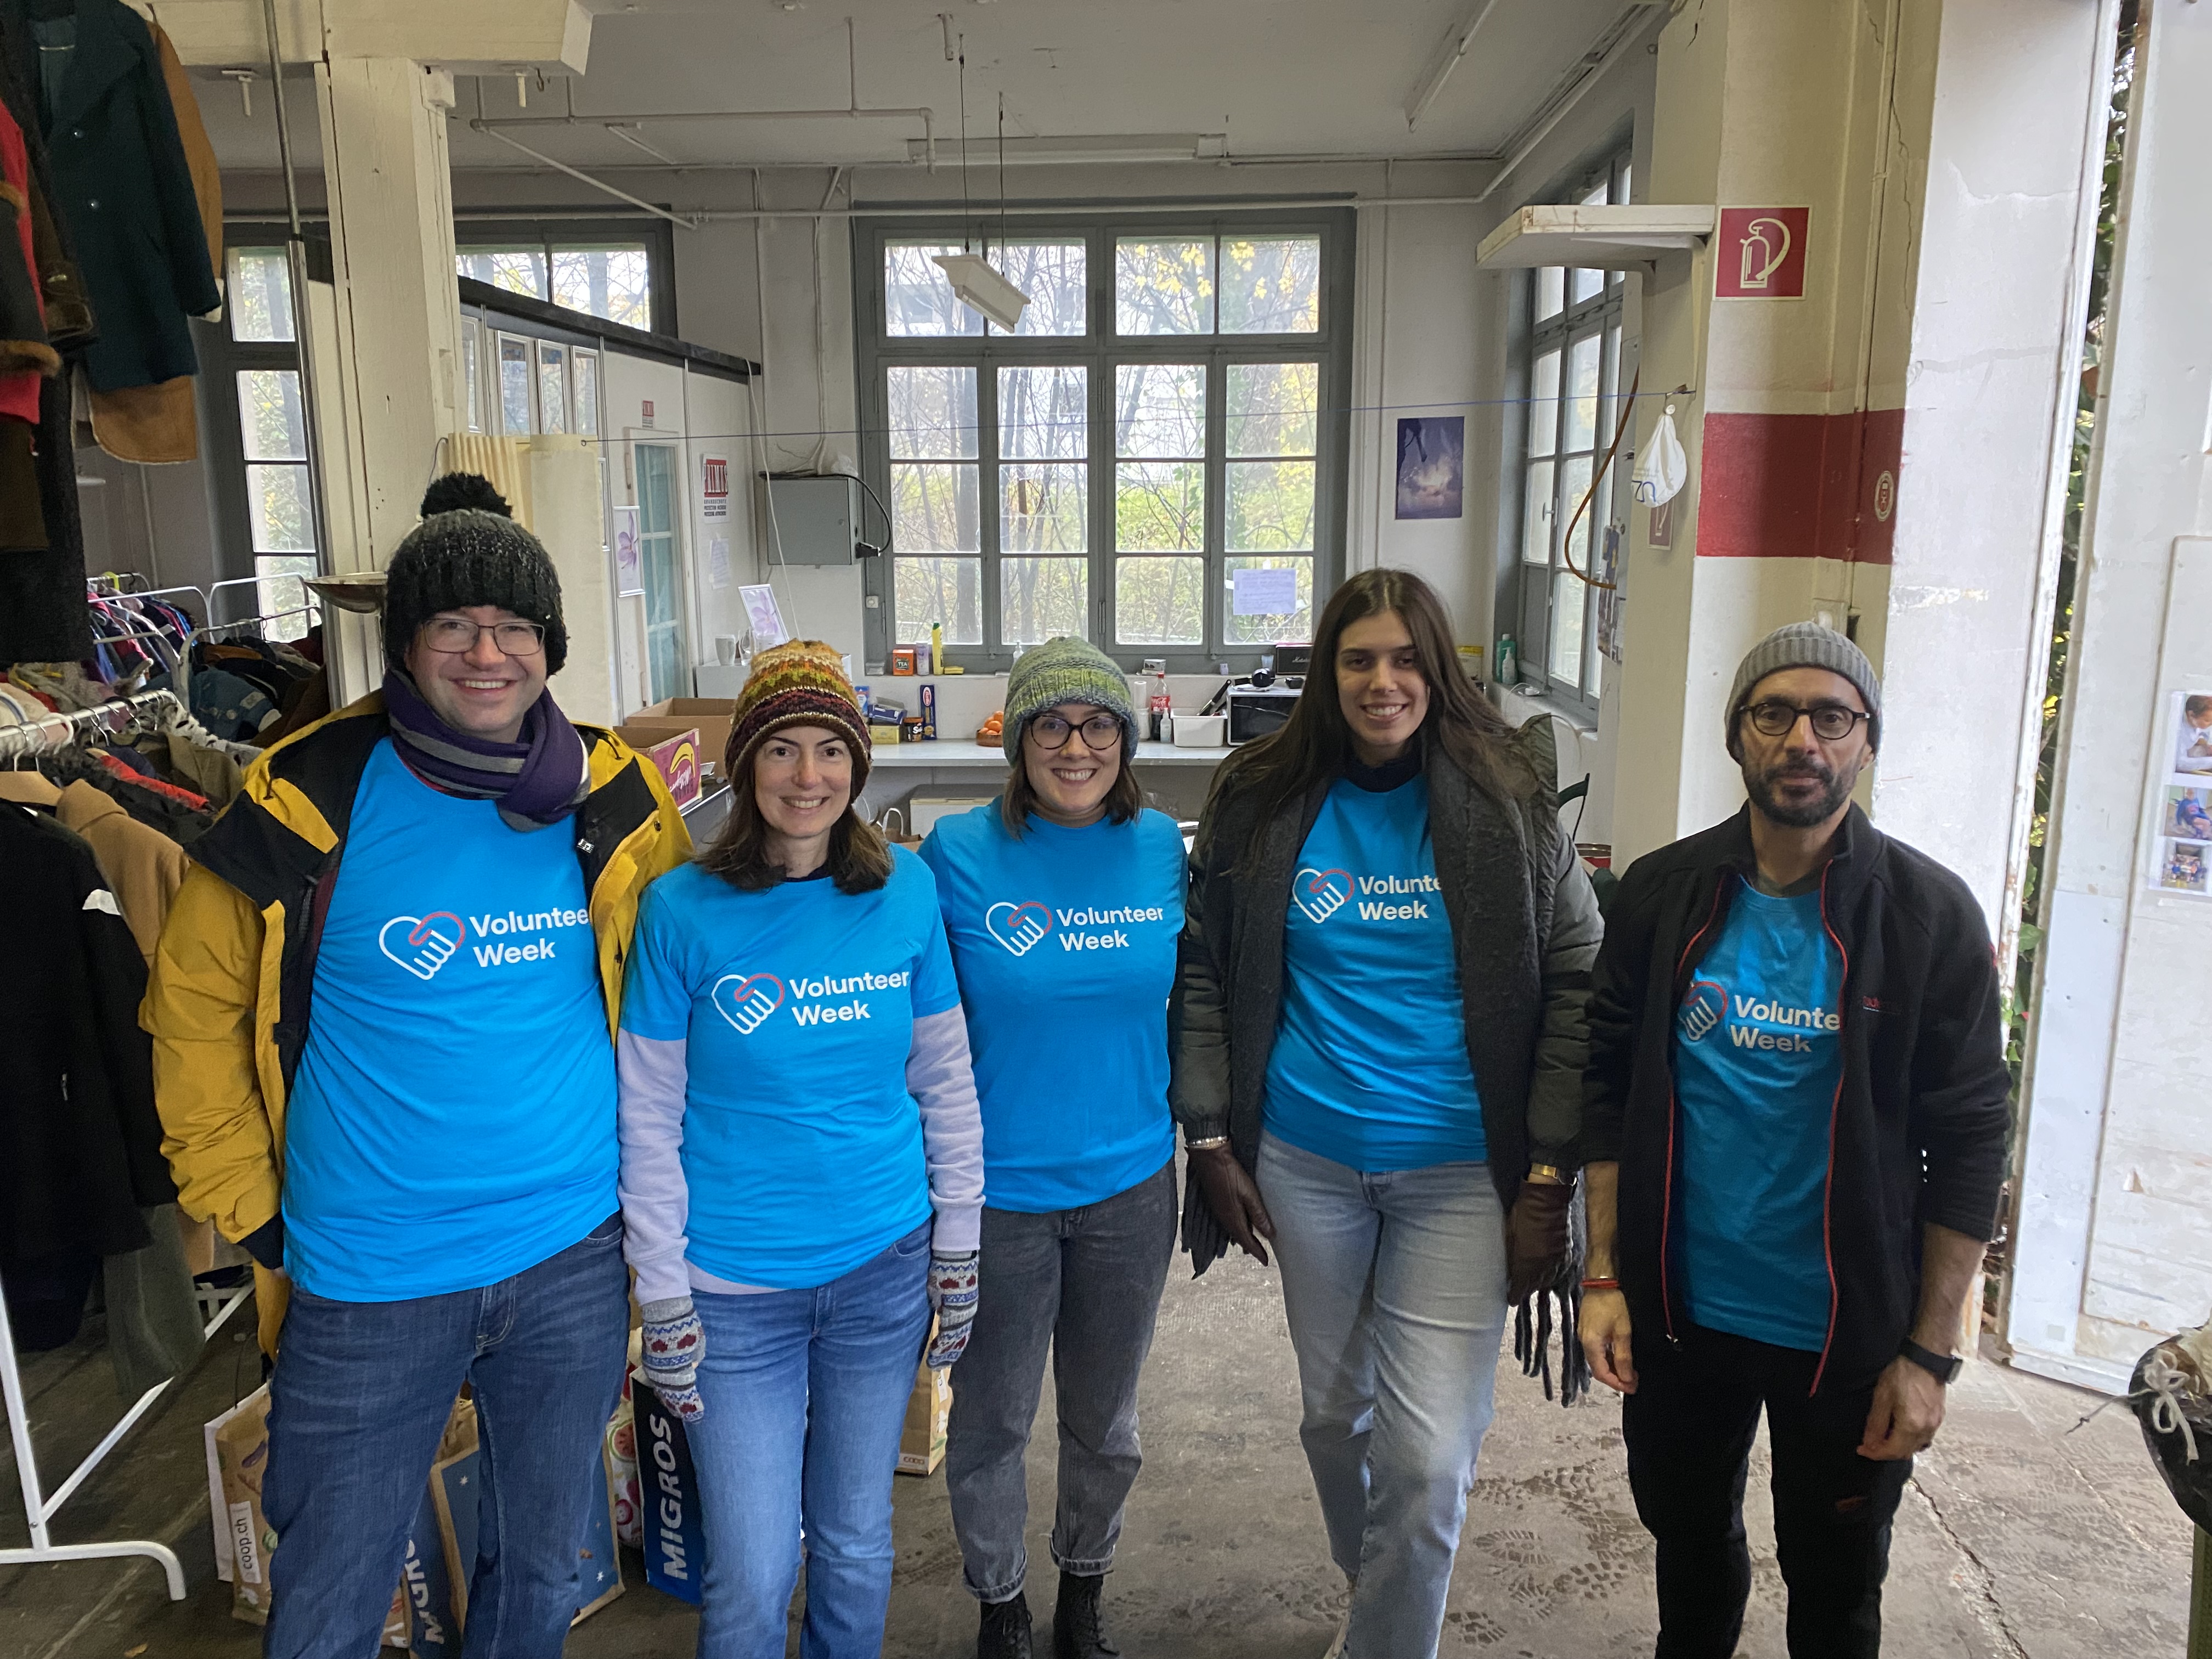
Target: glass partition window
(1148, 459)
(613, 280)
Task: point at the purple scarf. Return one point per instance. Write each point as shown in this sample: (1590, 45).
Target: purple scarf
(538, 781)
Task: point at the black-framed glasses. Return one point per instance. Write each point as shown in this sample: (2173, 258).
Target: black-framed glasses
(1832, 721)
(454, 635)
(1099, 731)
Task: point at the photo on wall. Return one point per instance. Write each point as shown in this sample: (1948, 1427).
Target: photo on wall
(1431, 465)
(2181, 831)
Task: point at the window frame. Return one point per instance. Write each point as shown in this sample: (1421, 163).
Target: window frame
(1101, 350)
(223, 356)
(554, 234)
(1599, 315)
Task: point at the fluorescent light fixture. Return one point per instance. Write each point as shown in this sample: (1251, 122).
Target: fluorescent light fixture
(975, 283)
(1096, 148)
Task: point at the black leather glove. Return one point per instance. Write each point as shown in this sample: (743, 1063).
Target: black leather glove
(1536, 1237)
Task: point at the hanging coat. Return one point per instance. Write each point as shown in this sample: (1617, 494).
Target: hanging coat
(121, 184)
(82, 1146)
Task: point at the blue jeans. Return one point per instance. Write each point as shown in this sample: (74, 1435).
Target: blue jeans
(360, 1398)
(1394, 1286)
(805, 1394)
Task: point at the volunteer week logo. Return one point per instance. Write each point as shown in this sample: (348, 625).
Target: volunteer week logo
(1021, 926)
(423, 945)
(749, 1001)
(1709, 1005)
(1321, 893)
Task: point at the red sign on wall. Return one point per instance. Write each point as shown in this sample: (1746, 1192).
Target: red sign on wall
(1758, 253)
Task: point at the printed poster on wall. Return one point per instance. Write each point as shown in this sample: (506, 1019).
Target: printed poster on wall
(2182, 850)
(714, 487)
(630, 566)
(1431, 465)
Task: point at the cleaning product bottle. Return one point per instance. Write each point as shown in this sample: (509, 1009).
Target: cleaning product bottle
(1509, 661)
(937, 648)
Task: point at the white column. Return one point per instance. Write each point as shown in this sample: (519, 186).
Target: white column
(2114, 1242)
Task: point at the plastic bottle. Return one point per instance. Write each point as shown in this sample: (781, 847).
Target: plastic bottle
(937, 648)
(1158, 706)
(1509, 661)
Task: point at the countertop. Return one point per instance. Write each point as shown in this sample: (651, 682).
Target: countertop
(947, 751)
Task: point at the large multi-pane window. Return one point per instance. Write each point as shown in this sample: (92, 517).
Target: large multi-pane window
(1153, 459)
(1575, 407)
(620, 277)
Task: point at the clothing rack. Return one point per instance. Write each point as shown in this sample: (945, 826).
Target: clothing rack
(156, 711)
(153, 710)
(39, 1510)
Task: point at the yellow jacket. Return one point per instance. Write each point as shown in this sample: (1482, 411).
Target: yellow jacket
(227, 1000)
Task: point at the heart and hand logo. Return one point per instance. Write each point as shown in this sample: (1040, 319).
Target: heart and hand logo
(1321, 893)
(1018, 926)
(1703, 1010)
(423, 945)
(747, 1000)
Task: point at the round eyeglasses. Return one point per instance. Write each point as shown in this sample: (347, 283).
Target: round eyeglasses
(1832, 721)
(1099, 731)
(454, 635)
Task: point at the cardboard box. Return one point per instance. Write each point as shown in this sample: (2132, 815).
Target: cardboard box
(711, 717)
(928, 1415)
(679, 758)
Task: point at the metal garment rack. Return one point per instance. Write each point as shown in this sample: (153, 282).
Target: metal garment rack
(33, 736)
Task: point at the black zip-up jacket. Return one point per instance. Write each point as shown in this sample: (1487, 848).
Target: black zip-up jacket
(1917, 1131)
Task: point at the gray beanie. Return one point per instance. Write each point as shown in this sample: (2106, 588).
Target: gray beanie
(1806, 645)
(1066, 670)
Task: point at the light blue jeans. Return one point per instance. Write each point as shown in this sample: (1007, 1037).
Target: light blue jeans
(805, 1394)
(1394, 1286)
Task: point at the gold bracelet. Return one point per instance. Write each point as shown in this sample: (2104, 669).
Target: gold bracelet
(1549, 1172)
(1211, 1144)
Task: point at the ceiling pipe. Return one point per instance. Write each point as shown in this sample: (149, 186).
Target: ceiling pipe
(492, 126)
(1446, 59)
(1629, 37)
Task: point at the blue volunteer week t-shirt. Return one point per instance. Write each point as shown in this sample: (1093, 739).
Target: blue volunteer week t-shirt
(802, 1148)
(453, 1119)
(1064, 941)
(1757, 1057)
(1369, 1066)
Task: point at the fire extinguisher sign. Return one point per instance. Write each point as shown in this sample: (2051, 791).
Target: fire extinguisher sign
(1758, 253)
(714, 487)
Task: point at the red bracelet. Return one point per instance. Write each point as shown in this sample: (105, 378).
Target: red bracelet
(1600, 1284)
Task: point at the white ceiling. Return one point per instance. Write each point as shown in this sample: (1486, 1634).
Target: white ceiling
(1279, 77)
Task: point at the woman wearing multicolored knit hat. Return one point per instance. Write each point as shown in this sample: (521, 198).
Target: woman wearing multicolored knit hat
(1063, 899)
(801, 1165)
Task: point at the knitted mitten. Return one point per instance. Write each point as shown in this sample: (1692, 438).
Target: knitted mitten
(673, 1342)
(952, 1292)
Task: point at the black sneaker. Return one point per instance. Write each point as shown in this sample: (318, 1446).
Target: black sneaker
(1078, 1631)
(1005, 1631)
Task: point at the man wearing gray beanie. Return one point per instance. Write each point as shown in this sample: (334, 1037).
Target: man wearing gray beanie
(1794, 1130)
(381, 1011)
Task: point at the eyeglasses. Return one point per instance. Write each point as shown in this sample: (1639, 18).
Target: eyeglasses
(1099, 731)
(453, 635)
(1832, 721)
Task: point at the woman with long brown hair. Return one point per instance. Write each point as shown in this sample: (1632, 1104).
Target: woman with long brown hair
(802, 1169)
(1377, 1038)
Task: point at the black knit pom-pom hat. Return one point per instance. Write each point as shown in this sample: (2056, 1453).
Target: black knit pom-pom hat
(469, 555)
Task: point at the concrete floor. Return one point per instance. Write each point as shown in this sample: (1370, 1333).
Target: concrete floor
(2027, 1534)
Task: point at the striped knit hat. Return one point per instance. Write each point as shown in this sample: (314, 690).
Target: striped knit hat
(1066, 671)
(799, 682)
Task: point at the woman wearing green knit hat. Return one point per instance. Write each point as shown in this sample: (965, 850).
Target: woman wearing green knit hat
(1063, 900)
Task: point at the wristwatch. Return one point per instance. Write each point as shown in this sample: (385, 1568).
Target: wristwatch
(1943, 1367)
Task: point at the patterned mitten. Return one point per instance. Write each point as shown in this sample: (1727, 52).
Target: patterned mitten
(673, 1342)
(952, 1292)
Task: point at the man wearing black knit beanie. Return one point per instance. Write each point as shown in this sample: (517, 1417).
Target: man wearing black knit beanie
(380, 1010)
(1793, 1127)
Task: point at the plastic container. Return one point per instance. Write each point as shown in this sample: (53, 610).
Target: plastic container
(1200, 731)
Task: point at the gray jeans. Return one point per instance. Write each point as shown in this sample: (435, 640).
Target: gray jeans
(1086, 1282)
